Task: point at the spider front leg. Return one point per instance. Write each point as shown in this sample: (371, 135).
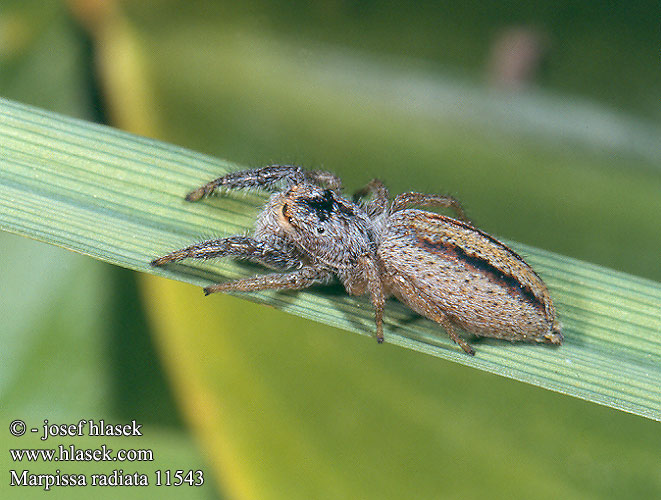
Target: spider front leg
(297, 280)
(265, 178)
(240, 247)
(403, 200)
(326, 179)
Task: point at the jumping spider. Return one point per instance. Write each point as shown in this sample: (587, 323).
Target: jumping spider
(442, 268)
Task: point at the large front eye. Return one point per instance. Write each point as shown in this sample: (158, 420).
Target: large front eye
(285, 213)
(320, 230)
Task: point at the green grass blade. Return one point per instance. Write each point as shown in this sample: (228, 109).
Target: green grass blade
(119, 198)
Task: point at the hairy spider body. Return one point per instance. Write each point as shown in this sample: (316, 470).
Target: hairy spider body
(442, 268)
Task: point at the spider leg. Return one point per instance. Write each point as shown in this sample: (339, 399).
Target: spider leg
(405, 199)
(241, 247)
(379, 203)
(265, 177)
(436, 314)
(377, 294)
(296, 280)
(326, 179)
(417, 300)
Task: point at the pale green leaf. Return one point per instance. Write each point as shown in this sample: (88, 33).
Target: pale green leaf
(119, 198)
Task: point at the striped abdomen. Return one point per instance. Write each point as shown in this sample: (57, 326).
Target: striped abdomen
(433, 261)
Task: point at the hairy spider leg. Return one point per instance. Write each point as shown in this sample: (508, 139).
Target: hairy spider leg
(266, 178)
(377, 294)
(296, 280)
(417, 300)
(406, 199)
(241, 247)
(325, 179)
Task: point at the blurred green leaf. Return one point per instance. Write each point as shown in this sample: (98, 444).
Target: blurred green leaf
(288, 409)
(118, 197)
(53, 315)
(71, 345)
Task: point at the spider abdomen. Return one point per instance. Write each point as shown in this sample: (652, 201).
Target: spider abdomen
(434, 263)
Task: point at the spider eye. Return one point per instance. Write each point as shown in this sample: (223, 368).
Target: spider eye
(285, 212)
(320, 230)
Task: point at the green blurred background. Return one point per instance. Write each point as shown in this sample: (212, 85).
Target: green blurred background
(543, 118)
